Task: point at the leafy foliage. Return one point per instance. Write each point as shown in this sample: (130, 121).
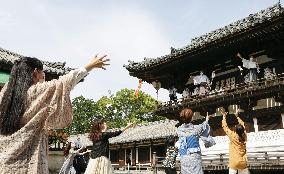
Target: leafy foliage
(83, 112)
(117, 110)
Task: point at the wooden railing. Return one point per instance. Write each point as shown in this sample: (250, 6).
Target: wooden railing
(258, 89)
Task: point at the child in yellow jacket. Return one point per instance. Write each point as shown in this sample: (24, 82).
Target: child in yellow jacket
(237, 146)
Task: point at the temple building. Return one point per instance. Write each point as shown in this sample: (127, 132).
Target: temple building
(137, 146)
(237, 66)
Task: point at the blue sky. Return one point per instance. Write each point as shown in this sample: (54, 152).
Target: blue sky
(73, 31)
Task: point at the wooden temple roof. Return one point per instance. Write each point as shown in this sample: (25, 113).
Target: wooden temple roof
(7, 59)
(259, 31)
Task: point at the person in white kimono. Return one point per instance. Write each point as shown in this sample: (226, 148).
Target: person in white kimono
(202, 82)
(251, 65)
(201, 78)
(29, 107)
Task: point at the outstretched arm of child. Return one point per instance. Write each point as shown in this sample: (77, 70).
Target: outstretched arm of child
(241, 122)
(224, 124)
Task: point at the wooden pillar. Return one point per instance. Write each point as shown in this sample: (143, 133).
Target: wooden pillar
(255, 125)
(136, 155)
(133, 155)
(154, 162)
(282, 116)
(150, 153)
(121, 157)
(125, 156)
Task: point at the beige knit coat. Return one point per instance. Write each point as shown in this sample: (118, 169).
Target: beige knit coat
(48, 106)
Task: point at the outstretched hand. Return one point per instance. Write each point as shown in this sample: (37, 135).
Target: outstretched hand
(129, 125)
(239, 55)
(208, 117)
(224, 113)
(237, 112)
(97, 62)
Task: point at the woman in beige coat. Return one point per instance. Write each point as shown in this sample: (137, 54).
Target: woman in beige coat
(28, 108)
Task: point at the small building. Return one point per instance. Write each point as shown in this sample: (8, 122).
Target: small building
(137, 145)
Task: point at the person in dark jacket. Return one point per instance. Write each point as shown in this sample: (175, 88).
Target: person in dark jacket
(99, 162)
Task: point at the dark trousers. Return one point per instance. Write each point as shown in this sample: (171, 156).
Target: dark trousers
(173, 97)
(169, 170)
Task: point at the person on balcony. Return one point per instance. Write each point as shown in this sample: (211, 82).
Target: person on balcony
(173, 93)
(202, 82)
(99, 162)
(237, 146)
(29, 107)
(186, 94)
(189, 148)
(251, 65)
(269, 74)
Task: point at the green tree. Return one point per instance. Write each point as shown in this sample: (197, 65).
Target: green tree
(125, 107)
(84, 111)
(117, 110)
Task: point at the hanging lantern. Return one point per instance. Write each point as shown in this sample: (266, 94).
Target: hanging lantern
(157, 85)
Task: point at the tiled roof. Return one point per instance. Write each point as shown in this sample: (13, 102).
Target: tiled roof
(239, 26)
(257, 141)
(142, 132)
(8, 57)
(148, 131)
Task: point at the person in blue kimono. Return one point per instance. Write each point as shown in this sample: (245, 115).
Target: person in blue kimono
(189, 148)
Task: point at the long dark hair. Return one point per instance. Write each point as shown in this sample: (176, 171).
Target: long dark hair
(240, 131)
(12, 104)
(67, 149)
(96, 130)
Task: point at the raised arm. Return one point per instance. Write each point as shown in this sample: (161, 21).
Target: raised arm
(199, 129)
(239, 56)
(116, 133)
(87, 151)
(57, 93)
(77, 152)
(96, 62)
(226, 129)
(240, 121)
(129, 125)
